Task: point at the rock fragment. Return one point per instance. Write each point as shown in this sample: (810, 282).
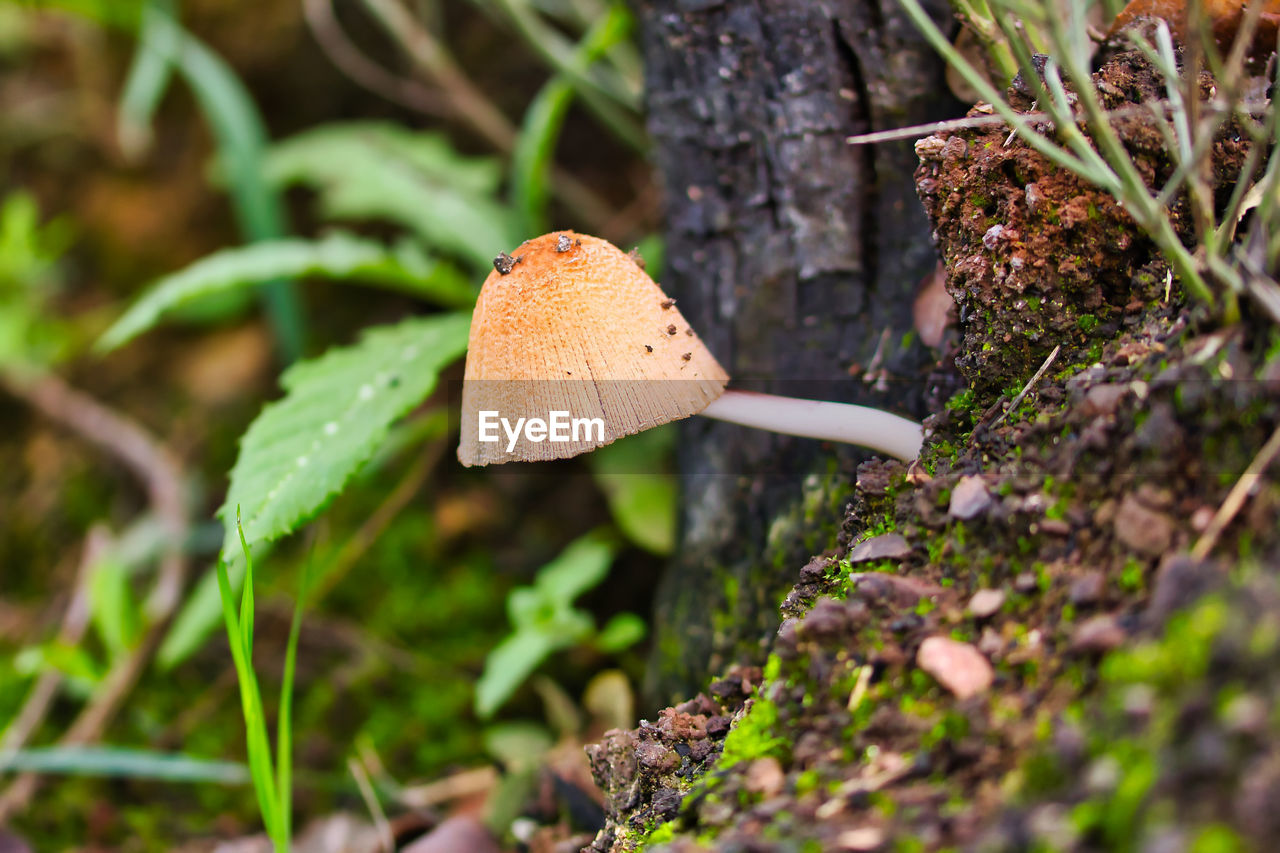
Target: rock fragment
(970, 498)
(1141, 529)
(986, 603)
(958, 667)
(887, 546)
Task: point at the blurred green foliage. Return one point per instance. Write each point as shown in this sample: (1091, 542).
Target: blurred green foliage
(389, 660)
(545, 621)
(30, 276)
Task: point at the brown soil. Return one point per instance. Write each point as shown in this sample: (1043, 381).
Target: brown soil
(1103, 689)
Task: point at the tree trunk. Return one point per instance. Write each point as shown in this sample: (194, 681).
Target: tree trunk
(796, 256)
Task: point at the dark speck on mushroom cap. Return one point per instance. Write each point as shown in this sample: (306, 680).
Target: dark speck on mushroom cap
(504, 263)
(563, 243)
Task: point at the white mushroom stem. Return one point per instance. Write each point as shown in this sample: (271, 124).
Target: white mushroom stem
(841, 422)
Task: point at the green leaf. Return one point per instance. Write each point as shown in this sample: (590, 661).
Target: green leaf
(302, 449)
(622, 631)
(30, 333)
(122, 762)
(74, 662)
(544, 618)
(373, 170)
(122, 14)
(641, 498)
(339, 255)
(508, 665)
(518, 745)
(112, 608)
(578, 568)
(535, 147)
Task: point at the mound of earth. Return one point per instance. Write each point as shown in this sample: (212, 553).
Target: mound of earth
(1060, 629)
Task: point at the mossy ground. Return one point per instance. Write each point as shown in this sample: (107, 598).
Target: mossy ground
(1134, 686)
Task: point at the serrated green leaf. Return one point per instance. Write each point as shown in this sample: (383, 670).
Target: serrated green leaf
(374, 170)
(339, 255)
(302, 449)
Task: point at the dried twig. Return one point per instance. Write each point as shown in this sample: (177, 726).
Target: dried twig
(464, 783)
(1237, 496)
(126, 440)
(74, 622)
(348, 58)
(1031, 383)
(472, 105)
(386, 838)
(915, 131)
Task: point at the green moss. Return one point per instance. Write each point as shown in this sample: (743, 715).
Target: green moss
(661, 835)
(755, 736)
(1181, 657)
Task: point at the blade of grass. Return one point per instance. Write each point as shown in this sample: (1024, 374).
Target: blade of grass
(149, 76)
(241, 140)
(251, 707)
(246, 598)
(535, 145)
(284, 722)
(257, 746)
(988, 93)
(612, 104)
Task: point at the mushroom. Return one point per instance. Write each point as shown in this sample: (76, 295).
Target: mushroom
(574, 346)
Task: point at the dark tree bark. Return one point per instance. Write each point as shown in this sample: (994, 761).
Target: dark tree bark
(795, 255)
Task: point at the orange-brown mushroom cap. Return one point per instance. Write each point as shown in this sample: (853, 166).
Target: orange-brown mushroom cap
(577, 327)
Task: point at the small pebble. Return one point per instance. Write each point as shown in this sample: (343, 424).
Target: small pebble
(1141, 529)
(1098, 634)
(986, 603)
(861, 840)
(765, 777)
(991, 239)
(1088, 588)
(970, 498)
(1026, 582)
(887, 546)
(958, 667)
